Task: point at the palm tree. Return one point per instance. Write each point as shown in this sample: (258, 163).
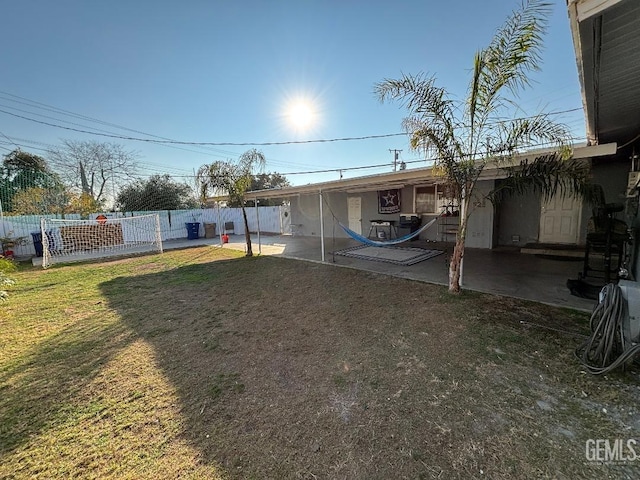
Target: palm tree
(234, 180)
(465, 137)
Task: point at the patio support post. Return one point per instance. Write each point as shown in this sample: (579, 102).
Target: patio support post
(256, 201)
(220, 226)
(321, 227)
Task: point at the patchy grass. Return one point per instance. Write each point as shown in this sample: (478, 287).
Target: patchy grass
(203, 364)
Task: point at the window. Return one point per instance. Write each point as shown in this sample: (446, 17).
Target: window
(432, 200)
(425, 199)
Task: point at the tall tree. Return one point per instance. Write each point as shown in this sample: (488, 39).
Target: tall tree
(158, 192)
(232, 179)
(466, 136)
(40, 201)
(96, 169)
(21, 172)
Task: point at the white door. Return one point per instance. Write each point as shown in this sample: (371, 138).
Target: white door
(285, 219)
(560, 220)
(355, 214)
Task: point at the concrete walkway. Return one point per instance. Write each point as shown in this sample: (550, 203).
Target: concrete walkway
(499, 271)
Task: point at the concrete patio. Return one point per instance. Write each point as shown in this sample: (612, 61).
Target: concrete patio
(500, 271)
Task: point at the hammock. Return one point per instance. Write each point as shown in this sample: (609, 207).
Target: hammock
(386, 243)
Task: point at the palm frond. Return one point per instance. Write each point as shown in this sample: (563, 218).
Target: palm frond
(547, 175)
(230, 178)
(507, 62)
(415, 92)
(429, 137)
(251, 161)
(428, 104)
(539, 130)
(474, 90)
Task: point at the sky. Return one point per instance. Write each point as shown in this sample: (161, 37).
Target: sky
(232, 71)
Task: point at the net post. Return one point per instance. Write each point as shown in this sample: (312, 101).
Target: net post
(158, 233)
(45, 242)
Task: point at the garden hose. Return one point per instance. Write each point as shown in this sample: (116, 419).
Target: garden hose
(607, 348)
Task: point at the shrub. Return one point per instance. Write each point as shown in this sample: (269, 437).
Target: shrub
(6, 266)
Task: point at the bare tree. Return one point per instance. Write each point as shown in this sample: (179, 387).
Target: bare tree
(93, 167)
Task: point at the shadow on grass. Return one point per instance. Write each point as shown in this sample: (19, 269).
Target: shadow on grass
(286, 370)
(44, 386)
(289, 370)
(181, 314)
(36, 392)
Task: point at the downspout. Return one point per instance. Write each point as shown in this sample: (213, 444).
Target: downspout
(597, 57)
(574, 23)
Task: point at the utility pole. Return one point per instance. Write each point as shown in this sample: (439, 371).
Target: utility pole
(395, 158)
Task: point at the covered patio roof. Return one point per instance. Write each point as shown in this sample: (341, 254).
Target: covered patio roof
(606, 36)
(415, 176)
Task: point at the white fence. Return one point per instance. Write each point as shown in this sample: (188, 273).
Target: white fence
(172, 222)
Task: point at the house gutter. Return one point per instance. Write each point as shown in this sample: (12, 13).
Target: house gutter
(588, 12)
(574, 24)
(589, 8)
(385, 181)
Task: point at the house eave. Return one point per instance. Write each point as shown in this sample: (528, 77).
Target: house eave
(605, 36)
(425, 176)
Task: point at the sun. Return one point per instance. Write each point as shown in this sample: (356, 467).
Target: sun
(301, 114)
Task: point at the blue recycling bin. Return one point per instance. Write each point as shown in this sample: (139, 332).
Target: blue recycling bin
(193, 229)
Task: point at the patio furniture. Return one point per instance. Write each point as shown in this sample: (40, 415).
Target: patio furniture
(382, 229)
(605, 243)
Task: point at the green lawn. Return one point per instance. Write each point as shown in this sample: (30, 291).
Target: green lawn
(202, 364)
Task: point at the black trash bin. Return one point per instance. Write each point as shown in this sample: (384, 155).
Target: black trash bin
(193, 229)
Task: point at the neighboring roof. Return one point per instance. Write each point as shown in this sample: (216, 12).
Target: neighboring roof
(606, 38)
(415, 176)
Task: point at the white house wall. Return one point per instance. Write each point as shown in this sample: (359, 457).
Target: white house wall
(480, 227)
(305, 215)
(518, 217)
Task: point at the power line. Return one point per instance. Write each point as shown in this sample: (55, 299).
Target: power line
(51, 108)
(25, 146)
(9, 140)
(54, 109)
(164, 141)
(179, 142)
